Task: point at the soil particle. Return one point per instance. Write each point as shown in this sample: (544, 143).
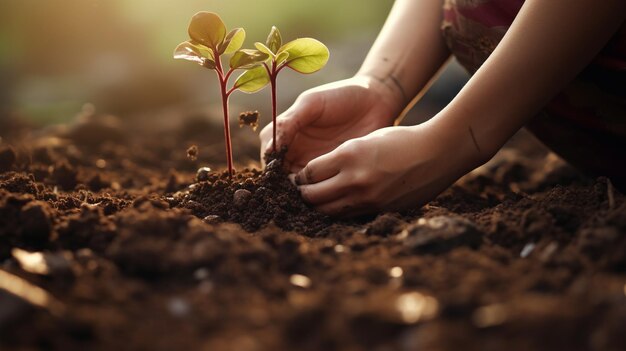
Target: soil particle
(88, 228)
(385, 224)
(441, 234)
(36, 222)
(96, 183)
(249, 118)
(7, 158)
(91, 129)
(19, 183)
(192, 152)
(65, 175)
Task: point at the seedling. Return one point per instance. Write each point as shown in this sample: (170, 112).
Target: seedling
(304, 55)
(208, 42)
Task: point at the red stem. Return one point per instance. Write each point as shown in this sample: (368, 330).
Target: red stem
(223, 81)
(273, 75)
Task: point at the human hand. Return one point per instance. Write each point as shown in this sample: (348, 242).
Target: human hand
(389, 169)
(324, 117)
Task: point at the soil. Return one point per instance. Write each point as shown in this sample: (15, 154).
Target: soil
(137, 247)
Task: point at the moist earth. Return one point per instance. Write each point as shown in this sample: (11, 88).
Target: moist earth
(112, 238)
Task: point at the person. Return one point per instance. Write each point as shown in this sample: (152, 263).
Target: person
(557, 67)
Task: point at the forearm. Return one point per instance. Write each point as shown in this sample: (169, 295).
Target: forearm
(548, 44)
(409, 49)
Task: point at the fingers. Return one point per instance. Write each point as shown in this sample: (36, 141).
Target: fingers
(323, 192)
(318, 169)
(323, 184)
(334, 196)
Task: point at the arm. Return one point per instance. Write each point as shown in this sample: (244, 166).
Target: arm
(409, 49)
(549, 43)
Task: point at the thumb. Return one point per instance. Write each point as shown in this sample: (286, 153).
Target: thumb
(306, 109)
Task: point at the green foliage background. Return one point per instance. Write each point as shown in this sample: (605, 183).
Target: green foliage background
(55, 55)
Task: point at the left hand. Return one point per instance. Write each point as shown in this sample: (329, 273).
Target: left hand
(389, 169)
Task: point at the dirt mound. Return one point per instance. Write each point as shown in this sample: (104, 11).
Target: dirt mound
(120, 244)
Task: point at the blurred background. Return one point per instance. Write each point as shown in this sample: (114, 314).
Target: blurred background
(57, 55)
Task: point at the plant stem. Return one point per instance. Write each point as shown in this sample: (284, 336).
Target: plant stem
(223, 81)
(229, 148)
(273, 84)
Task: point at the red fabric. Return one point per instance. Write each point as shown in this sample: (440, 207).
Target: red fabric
(595, 99)
(586, 122)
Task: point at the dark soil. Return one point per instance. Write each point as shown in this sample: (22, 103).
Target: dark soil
(137, 250)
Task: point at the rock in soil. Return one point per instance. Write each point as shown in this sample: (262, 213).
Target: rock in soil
(442, 233)
(203, 174)
(241, 197)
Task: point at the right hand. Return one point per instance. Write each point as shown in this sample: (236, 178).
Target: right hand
(324, 117)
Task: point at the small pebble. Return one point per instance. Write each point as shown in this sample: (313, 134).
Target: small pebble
(101, 163)
(527, 250)
(441, 234)
(203, 174)
(241, 197)
(211, 219)
(201, 274)
(339, 248)
(178, 307)
(272, 165)
(396, 272)
(300, 280)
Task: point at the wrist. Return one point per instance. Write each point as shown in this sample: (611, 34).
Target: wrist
(387, 89)
(459, 142)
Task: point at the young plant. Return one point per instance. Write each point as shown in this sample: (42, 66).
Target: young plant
(208, 42)
(304, 55)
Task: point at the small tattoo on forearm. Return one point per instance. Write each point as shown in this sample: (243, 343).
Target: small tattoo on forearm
(474, 138)
(395, 82)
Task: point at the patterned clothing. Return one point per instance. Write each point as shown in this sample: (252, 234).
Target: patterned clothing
(586, 122)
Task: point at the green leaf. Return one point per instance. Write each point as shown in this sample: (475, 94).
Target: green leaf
(264, 49)
(202, 50)
(252, 80)
(233, 41)
(306, 55)
(247, 58)
(274, 40)
(281, 57)
(195, 53)
(207, 28)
